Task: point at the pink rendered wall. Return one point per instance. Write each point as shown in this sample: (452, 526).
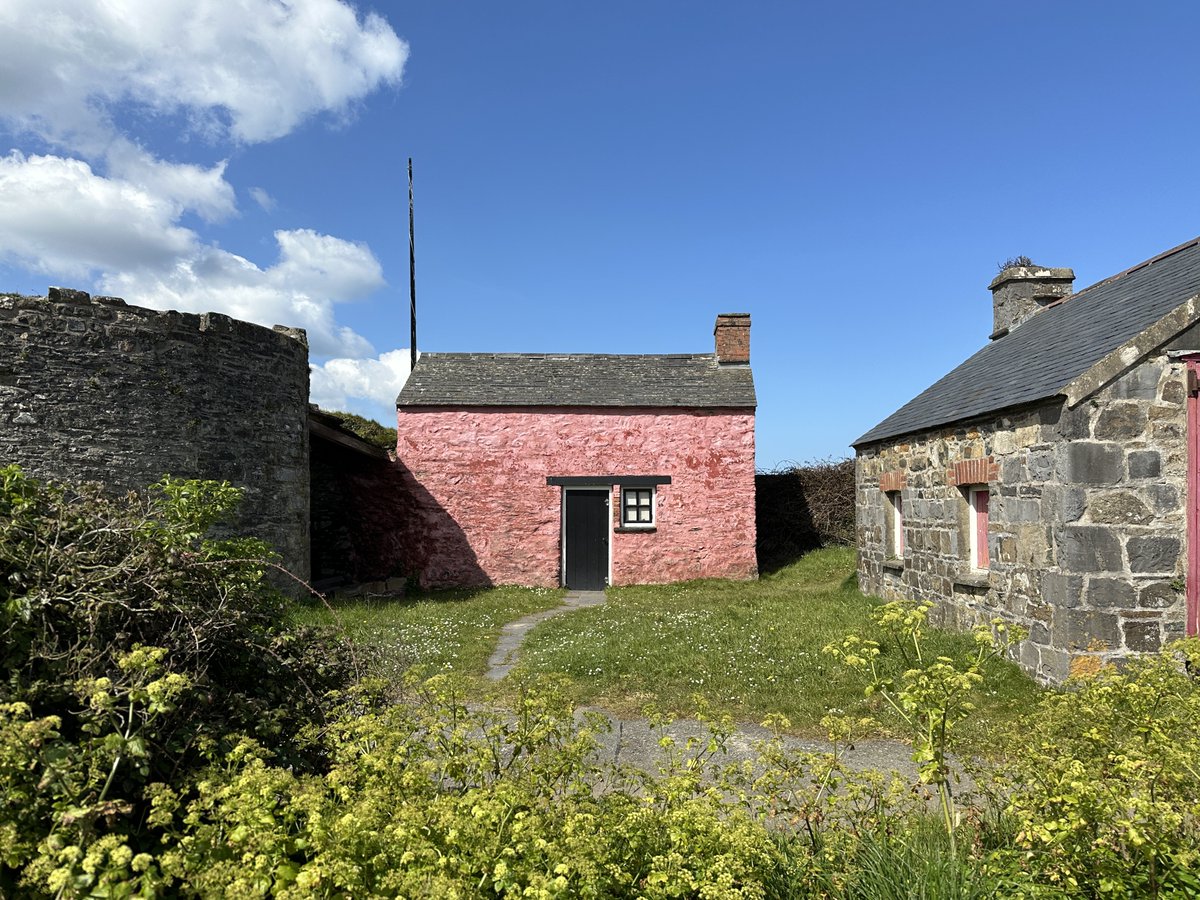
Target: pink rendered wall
(486, 514)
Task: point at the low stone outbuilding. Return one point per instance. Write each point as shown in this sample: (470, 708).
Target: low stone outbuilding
(1050, 478)
(581, 469)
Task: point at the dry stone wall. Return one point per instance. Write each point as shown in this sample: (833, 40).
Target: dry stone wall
(1087, 522)
(94, 389)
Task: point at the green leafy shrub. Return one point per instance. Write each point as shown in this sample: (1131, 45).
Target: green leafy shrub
(432, 798)
(134, 650)
(1101, 787)
(933, 695)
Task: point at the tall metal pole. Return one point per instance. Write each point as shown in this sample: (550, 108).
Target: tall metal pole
(412, 274)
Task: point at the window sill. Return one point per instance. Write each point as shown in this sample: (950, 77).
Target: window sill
(636, 529)
(893, 565)
(975, 578)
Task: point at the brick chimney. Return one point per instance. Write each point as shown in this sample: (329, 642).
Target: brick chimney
(733, 339)
(1021, 292)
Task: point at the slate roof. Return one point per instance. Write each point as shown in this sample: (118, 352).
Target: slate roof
(576, 379)
(1042, 356)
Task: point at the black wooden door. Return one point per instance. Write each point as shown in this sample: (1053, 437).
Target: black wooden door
(586, 534)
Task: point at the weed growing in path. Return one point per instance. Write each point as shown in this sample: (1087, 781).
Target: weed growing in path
(448, 631)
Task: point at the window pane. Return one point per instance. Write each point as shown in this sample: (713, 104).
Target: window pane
(638, 506)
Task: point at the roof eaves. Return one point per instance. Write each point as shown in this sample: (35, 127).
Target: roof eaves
(961, 422)
(1126, 355)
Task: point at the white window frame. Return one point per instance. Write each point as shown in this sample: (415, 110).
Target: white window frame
(895, 524)
(639, 526)
(973, 495)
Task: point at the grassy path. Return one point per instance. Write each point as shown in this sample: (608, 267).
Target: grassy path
(747, 649)
(444, 631)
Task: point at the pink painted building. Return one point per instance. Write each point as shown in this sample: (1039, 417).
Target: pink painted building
(581, 469)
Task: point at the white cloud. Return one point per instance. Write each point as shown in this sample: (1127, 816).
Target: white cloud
(83, 74)
(366, 386)
(252, 70)
(184, 185)
(60, 217)
(320, 264)
(314, 272)
(263, 199)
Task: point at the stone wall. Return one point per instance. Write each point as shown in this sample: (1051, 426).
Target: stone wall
(360, 508)
(485, 514)
(94, 389)
(1087, 520)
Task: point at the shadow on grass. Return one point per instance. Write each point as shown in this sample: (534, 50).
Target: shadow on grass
(410, 598)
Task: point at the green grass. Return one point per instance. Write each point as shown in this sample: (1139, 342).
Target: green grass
(748, 648)
(442, 630)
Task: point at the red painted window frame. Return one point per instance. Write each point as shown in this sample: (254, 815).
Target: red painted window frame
(1193, 501)
(979, 525)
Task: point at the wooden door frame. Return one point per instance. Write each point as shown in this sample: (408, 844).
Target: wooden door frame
(562, 527)
(1193, 494)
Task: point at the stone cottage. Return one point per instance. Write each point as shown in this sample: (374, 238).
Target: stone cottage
(581, 469)
(1050, 478)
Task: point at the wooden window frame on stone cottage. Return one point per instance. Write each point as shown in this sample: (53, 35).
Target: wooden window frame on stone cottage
(637, 506)
(978, 505)
(894, 513)
(973, 478)
(892, 485)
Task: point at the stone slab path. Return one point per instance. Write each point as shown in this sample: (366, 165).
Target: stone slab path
(513, 634)
(635, 741)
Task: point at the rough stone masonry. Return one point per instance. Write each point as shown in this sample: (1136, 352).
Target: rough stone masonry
(94, 389)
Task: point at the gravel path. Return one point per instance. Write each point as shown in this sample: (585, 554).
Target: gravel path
(635, 742)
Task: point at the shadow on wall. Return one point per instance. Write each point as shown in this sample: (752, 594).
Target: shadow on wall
(801, 508)
(372, 521)
(359, 512)
(438, 552)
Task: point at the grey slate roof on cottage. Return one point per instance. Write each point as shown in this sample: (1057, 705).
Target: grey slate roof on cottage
(576, 379)
(1045, 354)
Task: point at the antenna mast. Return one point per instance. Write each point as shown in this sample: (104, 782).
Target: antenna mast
(412, 275)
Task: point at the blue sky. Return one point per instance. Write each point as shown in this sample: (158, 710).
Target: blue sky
(598, 177)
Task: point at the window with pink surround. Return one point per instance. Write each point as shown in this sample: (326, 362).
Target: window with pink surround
(979, 499)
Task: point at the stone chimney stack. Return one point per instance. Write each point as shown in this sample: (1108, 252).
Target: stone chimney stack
(1021, 292)
(733, 339)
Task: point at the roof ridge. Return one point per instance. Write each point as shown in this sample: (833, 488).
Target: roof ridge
(544, 354)
(1122, 274)
(1051, 351)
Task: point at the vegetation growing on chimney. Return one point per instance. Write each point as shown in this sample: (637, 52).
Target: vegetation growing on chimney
(1014, 261)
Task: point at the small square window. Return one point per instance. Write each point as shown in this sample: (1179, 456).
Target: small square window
(637, 507)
